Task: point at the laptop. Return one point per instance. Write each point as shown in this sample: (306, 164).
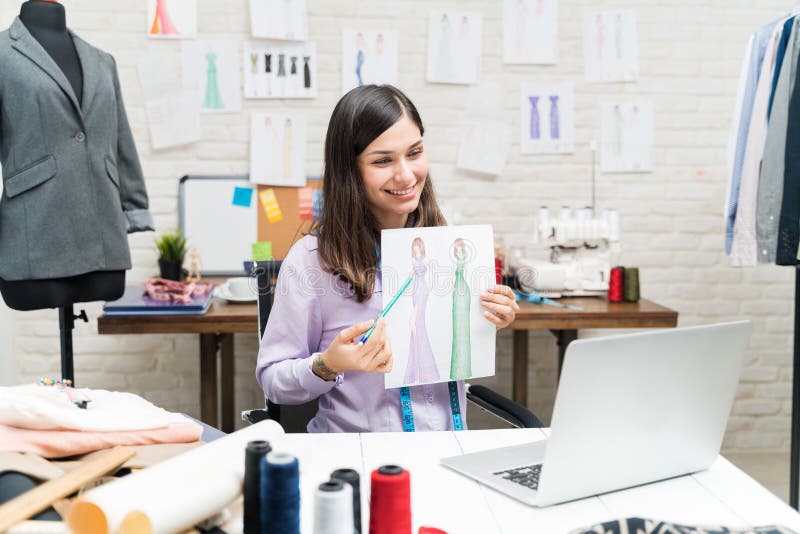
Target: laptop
(630, 409)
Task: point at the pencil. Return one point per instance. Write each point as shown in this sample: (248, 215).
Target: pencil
(388, 307)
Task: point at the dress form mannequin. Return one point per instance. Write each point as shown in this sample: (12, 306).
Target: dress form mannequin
(46, 20)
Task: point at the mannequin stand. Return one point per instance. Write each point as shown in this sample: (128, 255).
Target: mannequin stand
(66, 324)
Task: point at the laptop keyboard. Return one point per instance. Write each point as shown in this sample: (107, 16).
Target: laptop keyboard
(527, 475)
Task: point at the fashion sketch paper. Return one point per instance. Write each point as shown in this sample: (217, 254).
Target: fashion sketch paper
(368, 57)
(437, 328)
(626, 137)
(610, 50)
(546, 118)
(279, 19)
(171, 19)
(212, 68)
(530, 31)
(454, 47)
(278, 149)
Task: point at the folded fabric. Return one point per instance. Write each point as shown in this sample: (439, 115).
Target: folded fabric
(637, 525)
(62, 443)
(36, 407)
(171, 291)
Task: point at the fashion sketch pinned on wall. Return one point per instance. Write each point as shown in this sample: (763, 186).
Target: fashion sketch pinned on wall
(287, 70)
(437, 328)
(530, 31)
(610, 50)
(171, 19)
(626, 137)
(279, 19)
(485, 134)
(368, 56)
(454, 47)
(546, 118)
(278, 149)
(213, 68)
(170, 103)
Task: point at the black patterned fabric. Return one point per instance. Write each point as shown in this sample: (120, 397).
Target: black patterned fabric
(637, 525)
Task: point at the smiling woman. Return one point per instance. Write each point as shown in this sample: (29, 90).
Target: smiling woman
(375, 178)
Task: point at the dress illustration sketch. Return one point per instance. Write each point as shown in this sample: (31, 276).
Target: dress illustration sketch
(287, 149)
(162, 23)
(618, 130)
(461, 355)
(421, 366)
(534, 128)
(213, 98)
(444, 61)
(555, 131)
(361, 45)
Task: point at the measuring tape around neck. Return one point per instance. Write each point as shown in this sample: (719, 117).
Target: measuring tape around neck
(408, 412)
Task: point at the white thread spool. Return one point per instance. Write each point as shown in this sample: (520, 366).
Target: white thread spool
(333, 508)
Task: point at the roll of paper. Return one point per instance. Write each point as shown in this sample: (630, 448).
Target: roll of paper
(173, 495)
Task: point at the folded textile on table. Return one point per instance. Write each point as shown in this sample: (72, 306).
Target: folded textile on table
(36, 407)
(637, 525)
(63, 443)
(172, 291)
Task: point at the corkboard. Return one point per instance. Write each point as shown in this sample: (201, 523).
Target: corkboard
(285, 233)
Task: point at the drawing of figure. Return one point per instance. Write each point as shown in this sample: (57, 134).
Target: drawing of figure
(287, 149)
(598, 22)
(521, 33)
(293, 68)
(288, 19)
(618, 31)
(379, 44)
(361, 46)
(618, 130)
(444, 62)
(281, 65)
(253, 63)
(213, 98)
(306, 73)
(465, 50)
(539, 7)
(421, 366)
(271, 149)
(555, 131)
(162, 23)
(268, 72)
(461, 355)
(534, 120)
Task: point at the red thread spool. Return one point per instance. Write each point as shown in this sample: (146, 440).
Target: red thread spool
(390, 501)
(498, 270)
(615, 284)
(430, 530)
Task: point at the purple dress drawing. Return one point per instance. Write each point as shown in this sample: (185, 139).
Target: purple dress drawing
(555, 131)
(534, 125)
(421, 366)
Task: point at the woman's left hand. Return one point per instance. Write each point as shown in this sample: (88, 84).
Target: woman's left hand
(500, 305)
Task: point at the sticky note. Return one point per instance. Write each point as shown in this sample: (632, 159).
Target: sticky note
(305, 198)
(262, 251)
(317, 204)
(242, 196)
(270, 204)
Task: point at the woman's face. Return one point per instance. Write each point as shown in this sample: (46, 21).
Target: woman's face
(394, 168)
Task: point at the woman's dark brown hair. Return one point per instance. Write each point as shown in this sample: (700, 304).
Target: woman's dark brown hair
(347, 233)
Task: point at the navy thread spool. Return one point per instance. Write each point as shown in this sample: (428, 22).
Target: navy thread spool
(351, 477)
(254, 453)
(280, 494)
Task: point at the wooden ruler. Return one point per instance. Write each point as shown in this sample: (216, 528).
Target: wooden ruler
(34, 501)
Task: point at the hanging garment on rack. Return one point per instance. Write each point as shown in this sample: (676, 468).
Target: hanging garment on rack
(789, 223)
(782, 45)
(770, 181)
(759, 47)
(743, 246)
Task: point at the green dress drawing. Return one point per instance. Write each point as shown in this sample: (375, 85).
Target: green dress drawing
(213, 99)
(461, 356)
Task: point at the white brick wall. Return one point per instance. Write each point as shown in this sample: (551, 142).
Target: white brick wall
(690, 54)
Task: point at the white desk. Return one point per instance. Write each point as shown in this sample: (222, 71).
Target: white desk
(444, 499)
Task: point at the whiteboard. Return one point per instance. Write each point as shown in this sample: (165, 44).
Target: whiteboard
(221, 231)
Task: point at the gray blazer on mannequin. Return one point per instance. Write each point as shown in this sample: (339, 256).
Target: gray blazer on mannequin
(72, 183)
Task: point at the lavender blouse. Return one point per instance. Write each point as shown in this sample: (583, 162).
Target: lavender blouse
(311, 307)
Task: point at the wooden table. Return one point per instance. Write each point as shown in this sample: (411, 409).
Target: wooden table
(216, 329)
(565, 323)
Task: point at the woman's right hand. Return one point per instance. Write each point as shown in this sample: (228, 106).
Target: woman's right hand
(346, 354)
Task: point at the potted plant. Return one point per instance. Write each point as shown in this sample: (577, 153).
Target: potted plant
(171, 251)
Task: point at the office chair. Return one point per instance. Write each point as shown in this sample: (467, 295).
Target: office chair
(294, 418)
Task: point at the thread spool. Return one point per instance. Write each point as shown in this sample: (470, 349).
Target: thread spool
(631, 285)
(254, 453)
(431, 530)
(390, 501)
(615, 284)
(280, 494)
(333, 508)
(351, 477)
